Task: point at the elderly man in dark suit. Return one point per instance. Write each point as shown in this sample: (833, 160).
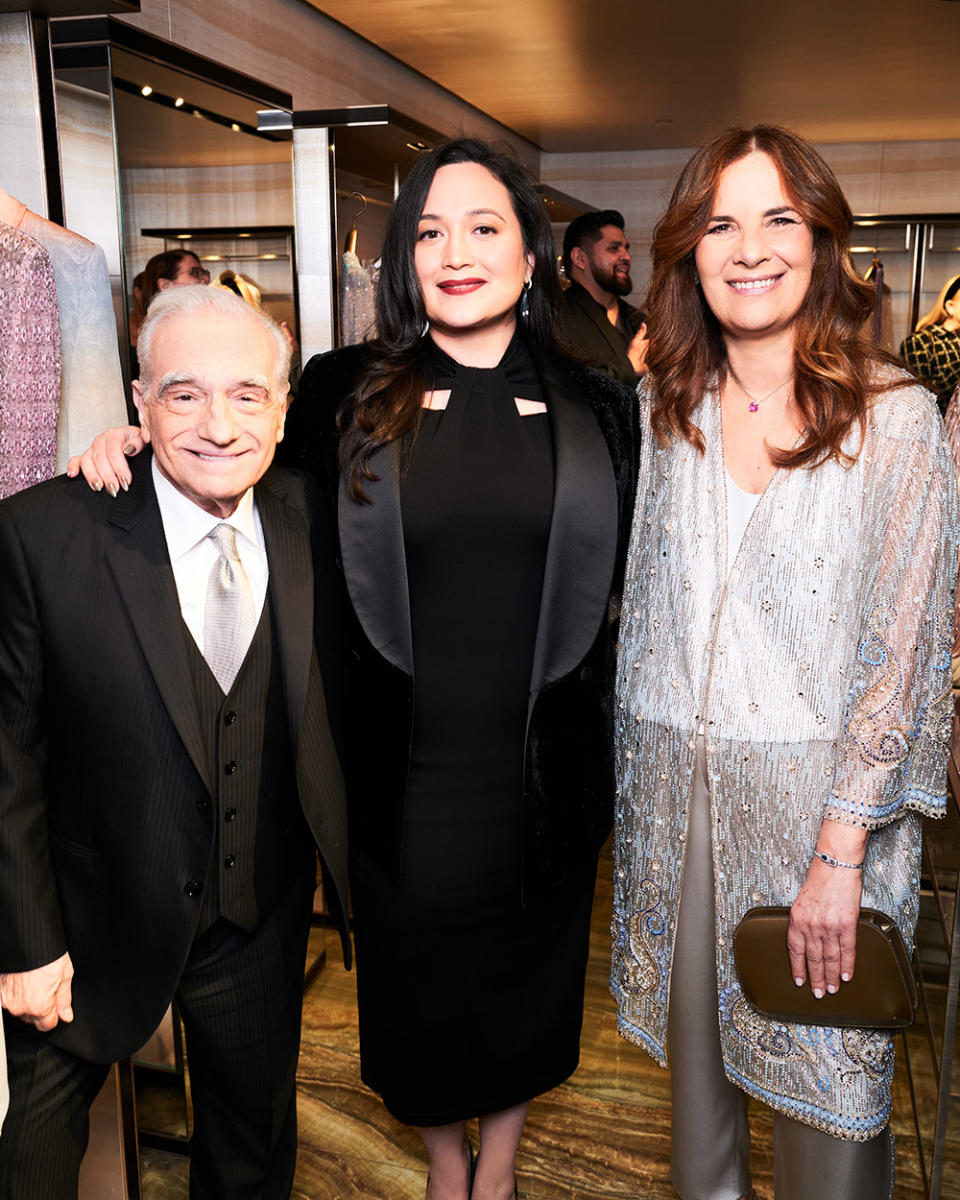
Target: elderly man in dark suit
(596, 323)
(168, 768)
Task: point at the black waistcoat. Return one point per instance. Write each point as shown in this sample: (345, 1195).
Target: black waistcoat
(261, 840)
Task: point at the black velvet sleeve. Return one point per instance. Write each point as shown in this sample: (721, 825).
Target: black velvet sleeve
(617, 412)
(323, 404)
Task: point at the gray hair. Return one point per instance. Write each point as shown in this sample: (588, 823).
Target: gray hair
(191, 301)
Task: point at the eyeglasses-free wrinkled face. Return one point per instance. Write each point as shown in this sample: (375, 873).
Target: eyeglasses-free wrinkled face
(213, 414)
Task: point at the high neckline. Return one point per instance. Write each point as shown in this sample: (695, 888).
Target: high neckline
(516, 368)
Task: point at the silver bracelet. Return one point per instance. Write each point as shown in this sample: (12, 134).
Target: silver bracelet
(835, 862)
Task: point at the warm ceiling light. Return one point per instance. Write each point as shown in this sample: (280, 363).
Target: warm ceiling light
(178, 103)
(146, 90)
(244, 235)
(183, 236)
(235, 127)
(211, 258)
(268, 256)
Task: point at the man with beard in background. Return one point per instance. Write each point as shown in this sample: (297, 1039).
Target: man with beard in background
(596, 324)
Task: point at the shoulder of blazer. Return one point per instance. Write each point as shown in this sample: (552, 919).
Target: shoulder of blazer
(58, 508)
(613, 404)
(324, 396)
(324, 403)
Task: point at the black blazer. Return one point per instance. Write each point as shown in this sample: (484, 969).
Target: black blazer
(588, 334)
(568, 783)
(102, 776)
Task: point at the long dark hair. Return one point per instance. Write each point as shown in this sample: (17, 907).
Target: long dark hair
(834, 360)
(388, 394)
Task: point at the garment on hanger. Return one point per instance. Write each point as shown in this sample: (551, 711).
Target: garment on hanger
(874, 276)
(29, 362)
(357, 297)
(91, 386)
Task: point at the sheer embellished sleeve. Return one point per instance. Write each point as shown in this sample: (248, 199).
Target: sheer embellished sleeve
(892, 752)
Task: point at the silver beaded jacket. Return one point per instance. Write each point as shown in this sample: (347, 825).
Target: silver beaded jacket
(818, 669)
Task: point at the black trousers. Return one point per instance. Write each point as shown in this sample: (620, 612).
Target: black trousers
(240, 998)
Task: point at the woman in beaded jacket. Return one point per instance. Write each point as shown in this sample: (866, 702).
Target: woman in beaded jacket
(784, 671)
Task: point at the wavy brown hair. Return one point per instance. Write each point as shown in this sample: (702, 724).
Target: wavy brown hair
(388, 395)
(834, 359)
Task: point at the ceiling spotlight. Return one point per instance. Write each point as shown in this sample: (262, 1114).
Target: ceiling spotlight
(183, 236)
(178, 103)
(244, 235)
(268, 256)
(235, 127)
(146, 90)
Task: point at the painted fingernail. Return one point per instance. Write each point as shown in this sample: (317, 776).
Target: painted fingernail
(129, 448)
(97, 485)
(125, 484)
(112, 489)
(832, 988)
(845, 976)
(798, 981)
(818, 992)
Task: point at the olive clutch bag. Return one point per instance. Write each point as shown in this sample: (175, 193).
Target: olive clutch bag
(881, 995)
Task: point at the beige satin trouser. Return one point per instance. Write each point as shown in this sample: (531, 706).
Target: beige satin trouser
(710, 1144)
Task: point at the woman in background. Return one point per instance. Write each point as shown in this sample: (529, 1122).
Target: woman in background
(784, 674)
(484, 485)
(932, 351)
(171, 268)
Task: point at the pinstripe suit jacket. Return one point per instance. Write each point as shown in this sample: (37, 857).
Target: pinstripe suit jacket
(102, 761)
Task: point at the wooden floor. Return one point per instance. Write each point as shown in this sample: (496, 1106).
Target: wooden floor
(603, 1134)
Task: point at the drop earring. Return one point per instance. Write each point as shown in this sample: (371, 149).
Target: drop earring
(525, 298)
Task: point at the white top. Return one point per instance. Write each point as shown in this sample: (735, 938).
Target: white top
(192, 553)
(740, 506)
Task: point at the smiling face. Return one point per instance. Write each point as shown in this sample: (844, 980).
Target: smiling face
(755, 260)
(212, 410)
(608, 261)
(470, 260)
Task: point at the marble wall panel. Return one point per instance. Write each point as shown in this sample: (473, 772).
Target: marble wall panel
(21, 169)
(201, 197)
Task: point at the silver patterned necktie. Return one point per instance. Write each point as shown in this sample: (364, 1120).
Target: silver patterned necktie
(228, 614)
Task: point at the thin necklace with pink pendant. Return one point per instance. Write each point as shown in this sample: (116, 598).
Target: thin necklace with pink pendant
(754, 401)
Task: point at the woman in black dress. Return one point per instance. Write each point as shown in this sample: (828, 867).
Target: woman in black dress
(484, 488)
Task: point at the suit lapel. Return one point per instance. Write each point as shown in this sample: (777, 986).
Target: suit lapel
(582, 548)
(286, 533)
(374, 562)
(141, 568)
(599, 318)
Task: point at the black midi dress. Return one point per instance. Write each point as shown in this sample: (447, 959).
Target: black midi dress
(470, 1001)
